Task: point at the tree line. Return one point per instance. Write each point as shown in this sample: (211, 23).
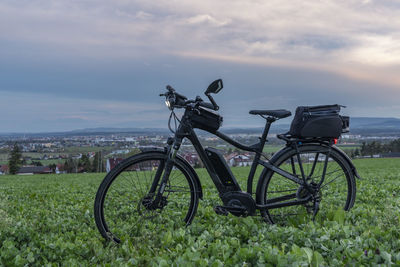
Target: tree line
(84, 164)
(378, 148)
(71, 165)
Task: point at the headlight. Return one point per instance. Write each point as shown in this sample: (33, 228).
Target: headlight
(168, 103)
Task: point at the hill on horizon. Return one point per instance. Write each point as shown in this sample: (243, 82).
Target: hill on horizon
(358, 125)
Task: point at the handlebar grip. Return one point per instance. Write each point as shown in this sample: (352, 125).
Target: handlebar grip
(207, 105)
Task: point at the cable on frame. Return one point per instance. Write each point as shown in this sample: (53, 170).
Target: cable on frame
(175, 124)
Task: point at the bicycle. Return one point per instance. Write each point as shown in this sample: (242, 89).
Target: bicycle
(161, 186)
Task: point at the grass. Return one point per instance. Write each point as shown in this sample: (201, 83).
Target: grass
(47, 220)
(272, 148)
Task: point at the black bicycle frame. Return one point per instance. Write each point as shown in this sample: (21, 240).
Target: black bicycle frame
(185, 130)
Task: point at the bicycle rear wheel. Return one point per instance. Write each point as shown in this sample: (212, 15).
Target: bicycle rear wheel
(122, 207)
(337, 189)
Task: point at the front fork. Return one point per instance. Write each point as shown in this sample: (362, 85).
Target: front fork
(173, 146)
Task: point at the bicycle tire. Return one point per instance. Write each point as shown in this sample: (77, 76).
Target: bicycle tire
(136, 170)
(271, 184)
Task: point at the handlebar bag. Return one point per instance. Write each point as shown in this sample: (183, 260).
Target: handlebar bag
(206, 120)
(319, 121)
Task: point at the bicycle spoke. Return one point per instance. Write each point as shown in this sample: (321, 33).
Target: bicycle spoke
(313, 163)
(331, 181)
(128, 206)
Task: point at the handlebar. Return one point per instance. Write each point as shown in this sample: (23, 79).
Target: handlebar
(176, 100)
(206, 105)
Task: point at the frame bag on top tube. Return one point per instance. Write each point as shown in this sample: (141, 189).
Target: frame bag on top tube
(319, 121)
(206, 120)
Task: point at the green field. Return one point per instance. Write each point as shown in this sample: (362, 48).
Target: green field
(69, 151)
(272, 148)
(86, 149)
(48, 220)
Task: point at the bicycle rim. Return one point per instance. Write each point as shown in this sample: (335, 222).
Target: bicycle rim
(337, 188)
(123, 210)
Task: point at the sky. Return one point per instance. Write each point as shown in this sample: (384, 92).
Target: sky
(68, 64)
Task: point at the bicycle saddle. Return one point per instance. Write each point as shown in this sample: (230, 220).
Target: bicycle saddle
(277, 113)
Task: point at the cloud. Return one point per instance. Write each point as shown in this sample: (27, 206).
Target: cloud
(377, 75)
(206, 19)
(376, 50)
(363, 34)
(41, 112)
(306, 29)
(70, 49)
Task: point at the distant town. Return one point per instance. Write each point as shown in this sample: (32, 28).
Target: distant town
(91, 151)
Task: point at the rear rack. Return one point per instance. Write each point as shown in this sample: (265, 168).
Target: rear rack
(318, 140)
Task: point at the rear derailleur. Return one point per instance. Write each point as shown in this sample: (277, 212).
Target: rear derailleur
(315, 198)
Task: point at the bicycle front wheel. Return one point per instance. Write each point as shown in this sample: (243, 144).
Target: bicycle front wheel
(122, 207)
(336, 189)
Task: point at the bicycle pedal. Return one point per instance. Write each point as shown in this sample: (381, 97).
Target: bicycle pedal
(221, 210)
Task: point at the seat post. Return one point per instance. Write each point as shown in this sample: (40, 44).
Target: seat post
(263, 138)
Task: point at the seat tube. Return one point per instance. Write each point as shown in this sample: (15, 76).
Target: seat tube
(260, 148)
(264, 136)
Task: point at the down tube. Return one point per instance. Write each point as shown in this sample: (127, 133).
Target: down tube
(210, 169)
